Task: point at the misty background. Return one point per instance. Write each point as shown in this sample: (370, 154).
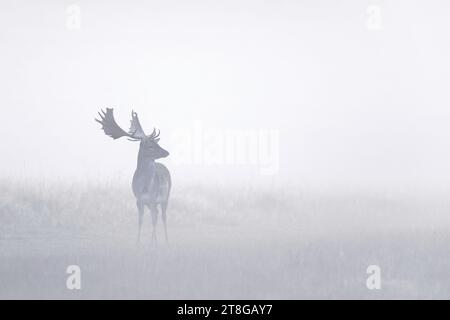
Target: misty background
(357, 101)
(352, 105)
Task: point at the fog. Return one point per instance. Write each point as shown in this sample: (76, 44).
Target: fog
(336, 111)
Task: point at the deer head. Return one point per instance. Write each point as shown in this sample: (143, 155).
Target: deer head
(149, 147)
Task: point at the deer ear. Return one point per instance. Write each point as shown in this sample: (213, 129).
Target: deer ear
(156, 140)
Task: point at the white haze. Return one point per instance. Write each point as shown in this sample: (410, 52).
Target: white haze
(361, 117)
(372, 101)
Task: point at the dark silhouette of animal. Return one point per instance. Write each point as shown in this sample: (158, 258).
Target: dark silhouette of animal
(151, 181)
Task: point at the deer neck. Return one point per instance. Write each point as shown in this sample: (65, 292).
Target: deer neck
(145, 162)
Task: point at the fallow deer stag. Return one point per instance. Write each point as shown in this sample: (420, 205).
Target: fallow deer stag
(151, 181)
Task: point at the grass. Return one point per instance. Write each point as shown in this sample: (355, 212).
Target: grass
(226, 242)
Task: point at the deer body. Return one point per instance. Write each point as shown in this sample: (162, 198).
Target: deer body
(151, 187)
(151, 180)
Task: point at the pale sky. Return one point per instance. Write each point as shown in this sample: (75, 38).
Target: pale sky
(351, 105)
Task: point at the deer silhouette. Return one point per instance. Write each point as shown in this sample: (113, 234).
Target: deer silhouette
(151, 180)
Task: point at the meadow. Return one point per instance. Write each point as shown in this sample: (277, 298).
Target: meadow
(245, 242)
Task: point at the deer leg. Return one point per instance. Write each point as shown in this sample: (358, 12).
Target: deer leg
(140, 207)
(154, 213)
(164, 219)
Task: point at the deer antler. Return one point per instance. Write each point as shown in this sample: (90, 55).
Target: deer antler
(154, 135)
(135, 127)
(111, 128)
